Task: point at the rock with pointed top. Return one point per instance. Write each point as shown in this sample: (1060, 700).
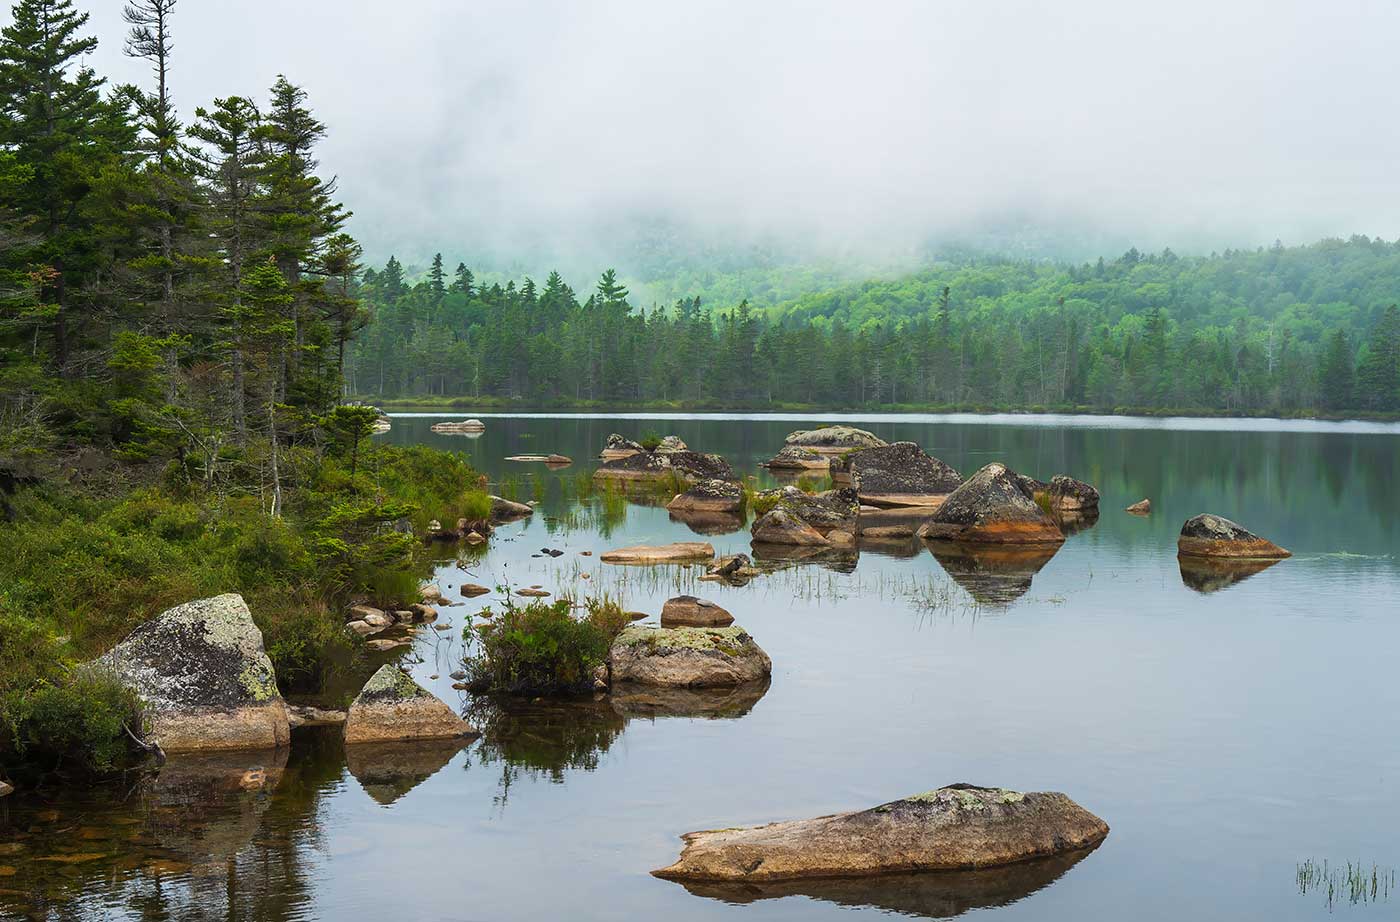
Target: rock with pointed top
(992, 507)
(1208, 535)
(961, 826)
(709, 497)
(504, 510)
(392, 706)
(779, 526)
(1141, 507)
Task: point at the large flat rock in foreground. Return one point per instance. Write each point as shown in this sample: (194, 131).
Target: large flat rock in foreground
(207, 682)
(956, 827)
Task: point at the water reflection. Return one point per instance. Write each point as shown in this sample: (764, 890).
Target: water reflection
(992, 574)
(709, 523)
(929, 895)
(1208, 574)
(388, 771)
(647, 702)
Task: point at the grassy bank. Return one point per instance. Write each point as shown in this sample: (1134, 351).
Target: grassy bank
(503, 404)
(83, 562)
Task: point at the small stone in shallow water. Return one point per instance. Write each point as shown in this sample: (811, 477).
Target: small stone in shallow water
(6, 788)
(532, 593)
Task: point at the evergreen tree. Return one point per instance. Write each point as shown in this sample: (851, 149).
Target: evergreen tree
(1378, 373)
(1335, 375)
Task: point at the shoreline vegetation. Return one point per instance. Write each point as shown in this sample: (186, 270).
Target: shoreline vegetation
(508, 404)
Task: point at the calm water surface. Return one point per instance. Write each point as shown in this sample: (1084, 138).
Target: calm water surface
(1227, 731)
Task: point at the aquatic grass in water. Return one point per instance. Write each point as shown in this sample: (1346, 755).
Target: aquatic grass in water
(1353, 882)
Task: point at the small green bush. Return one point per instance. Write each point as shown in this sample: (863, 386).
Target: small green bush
(541, 648)
(650, 440)
(74, 723)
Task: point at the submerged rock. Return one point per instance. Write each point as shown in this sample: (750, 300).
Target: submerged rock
(1141, 507)
(834, 439)
(958, 827)
(900, 474)
(797, 458)
(688, 611)
(1209, 535)
(687, 657)
(688, 466)
(992, 507)
(679, 552)
(392, 706)
(306, 715)
(1065, 494)
(711, 497)
(207, 682)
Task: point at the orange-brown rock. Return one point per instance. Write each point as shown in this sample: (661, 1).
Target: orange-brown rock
(679, 552)
(392, 706)
(689, 611)
(1207, 535)
(992, 507)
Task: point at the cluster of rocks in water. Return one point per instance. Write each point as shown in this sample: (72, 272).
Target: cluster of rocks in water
(460, 427)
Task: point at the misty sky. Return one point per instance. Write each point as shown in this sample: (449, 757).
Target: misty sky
(487, 126)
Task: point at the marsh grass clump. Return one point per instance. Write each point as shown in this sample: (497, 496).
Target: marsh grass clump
(1353, 882)
(541, 648)
(650, 440)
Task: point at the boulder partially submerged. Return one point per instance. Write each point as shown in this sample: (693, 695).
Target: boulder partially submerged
(689, 611)
(1141, 507)
(459, 425)
(900, 474)
(958, 827)
(677, 552)
(712, 497)
(205, 678)
(779, 526)
(687, 657)
(834, 439)
(797, 458)
(392, 706)
(507, 510)
(825, 511)
(688, 466)
(1207, 535)
(992, 507)
(1065, 494)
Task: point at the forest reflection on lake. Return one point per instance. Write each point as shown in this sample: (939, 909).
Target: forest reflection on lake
(1210, 717)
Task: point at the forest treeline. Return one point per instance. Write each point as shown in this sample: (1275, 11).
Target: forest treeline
(1282, 329)
(176, 298)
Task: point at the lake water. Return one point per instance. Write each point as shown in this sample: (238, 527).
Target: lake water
(1227, 736)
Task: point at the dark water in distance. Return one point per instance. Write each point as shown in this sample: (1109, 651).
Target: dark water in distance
(1225, 736)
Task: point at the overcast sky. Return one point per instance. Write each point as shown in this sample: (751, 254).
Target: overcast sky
(502, 123)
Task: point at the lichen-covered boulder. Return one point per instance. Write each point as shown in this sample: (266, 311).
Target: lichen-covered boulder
(834, 439)
(956, 827)
(779, 526)
(688, 466)
(709, 497)
(1065, 494)
(900, 474)
(797, 458)
(831, 509)
(462, 425)
(207, 682)
(671, 443)
(618, 446)
(392, 706)
(687, 657)
(677, 552)
(689, 611)
(992, 507)
(1207, 535)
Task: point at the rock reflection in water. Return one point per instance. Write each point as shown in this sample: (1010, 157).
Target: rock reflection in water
(773, 557)
(389, 770)
(1072, 523)
(709, 523)
(929, 895)
(992, 574)
(648, 702)
(1211, 574)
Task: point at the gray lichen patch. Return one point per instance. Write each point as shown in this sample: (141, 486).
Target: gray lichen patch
(390, 683)
(727, 640)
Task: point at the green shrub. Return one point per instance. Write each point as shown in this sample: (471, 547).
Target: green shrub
(541, 648)
(74, 723)
(650, 440)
